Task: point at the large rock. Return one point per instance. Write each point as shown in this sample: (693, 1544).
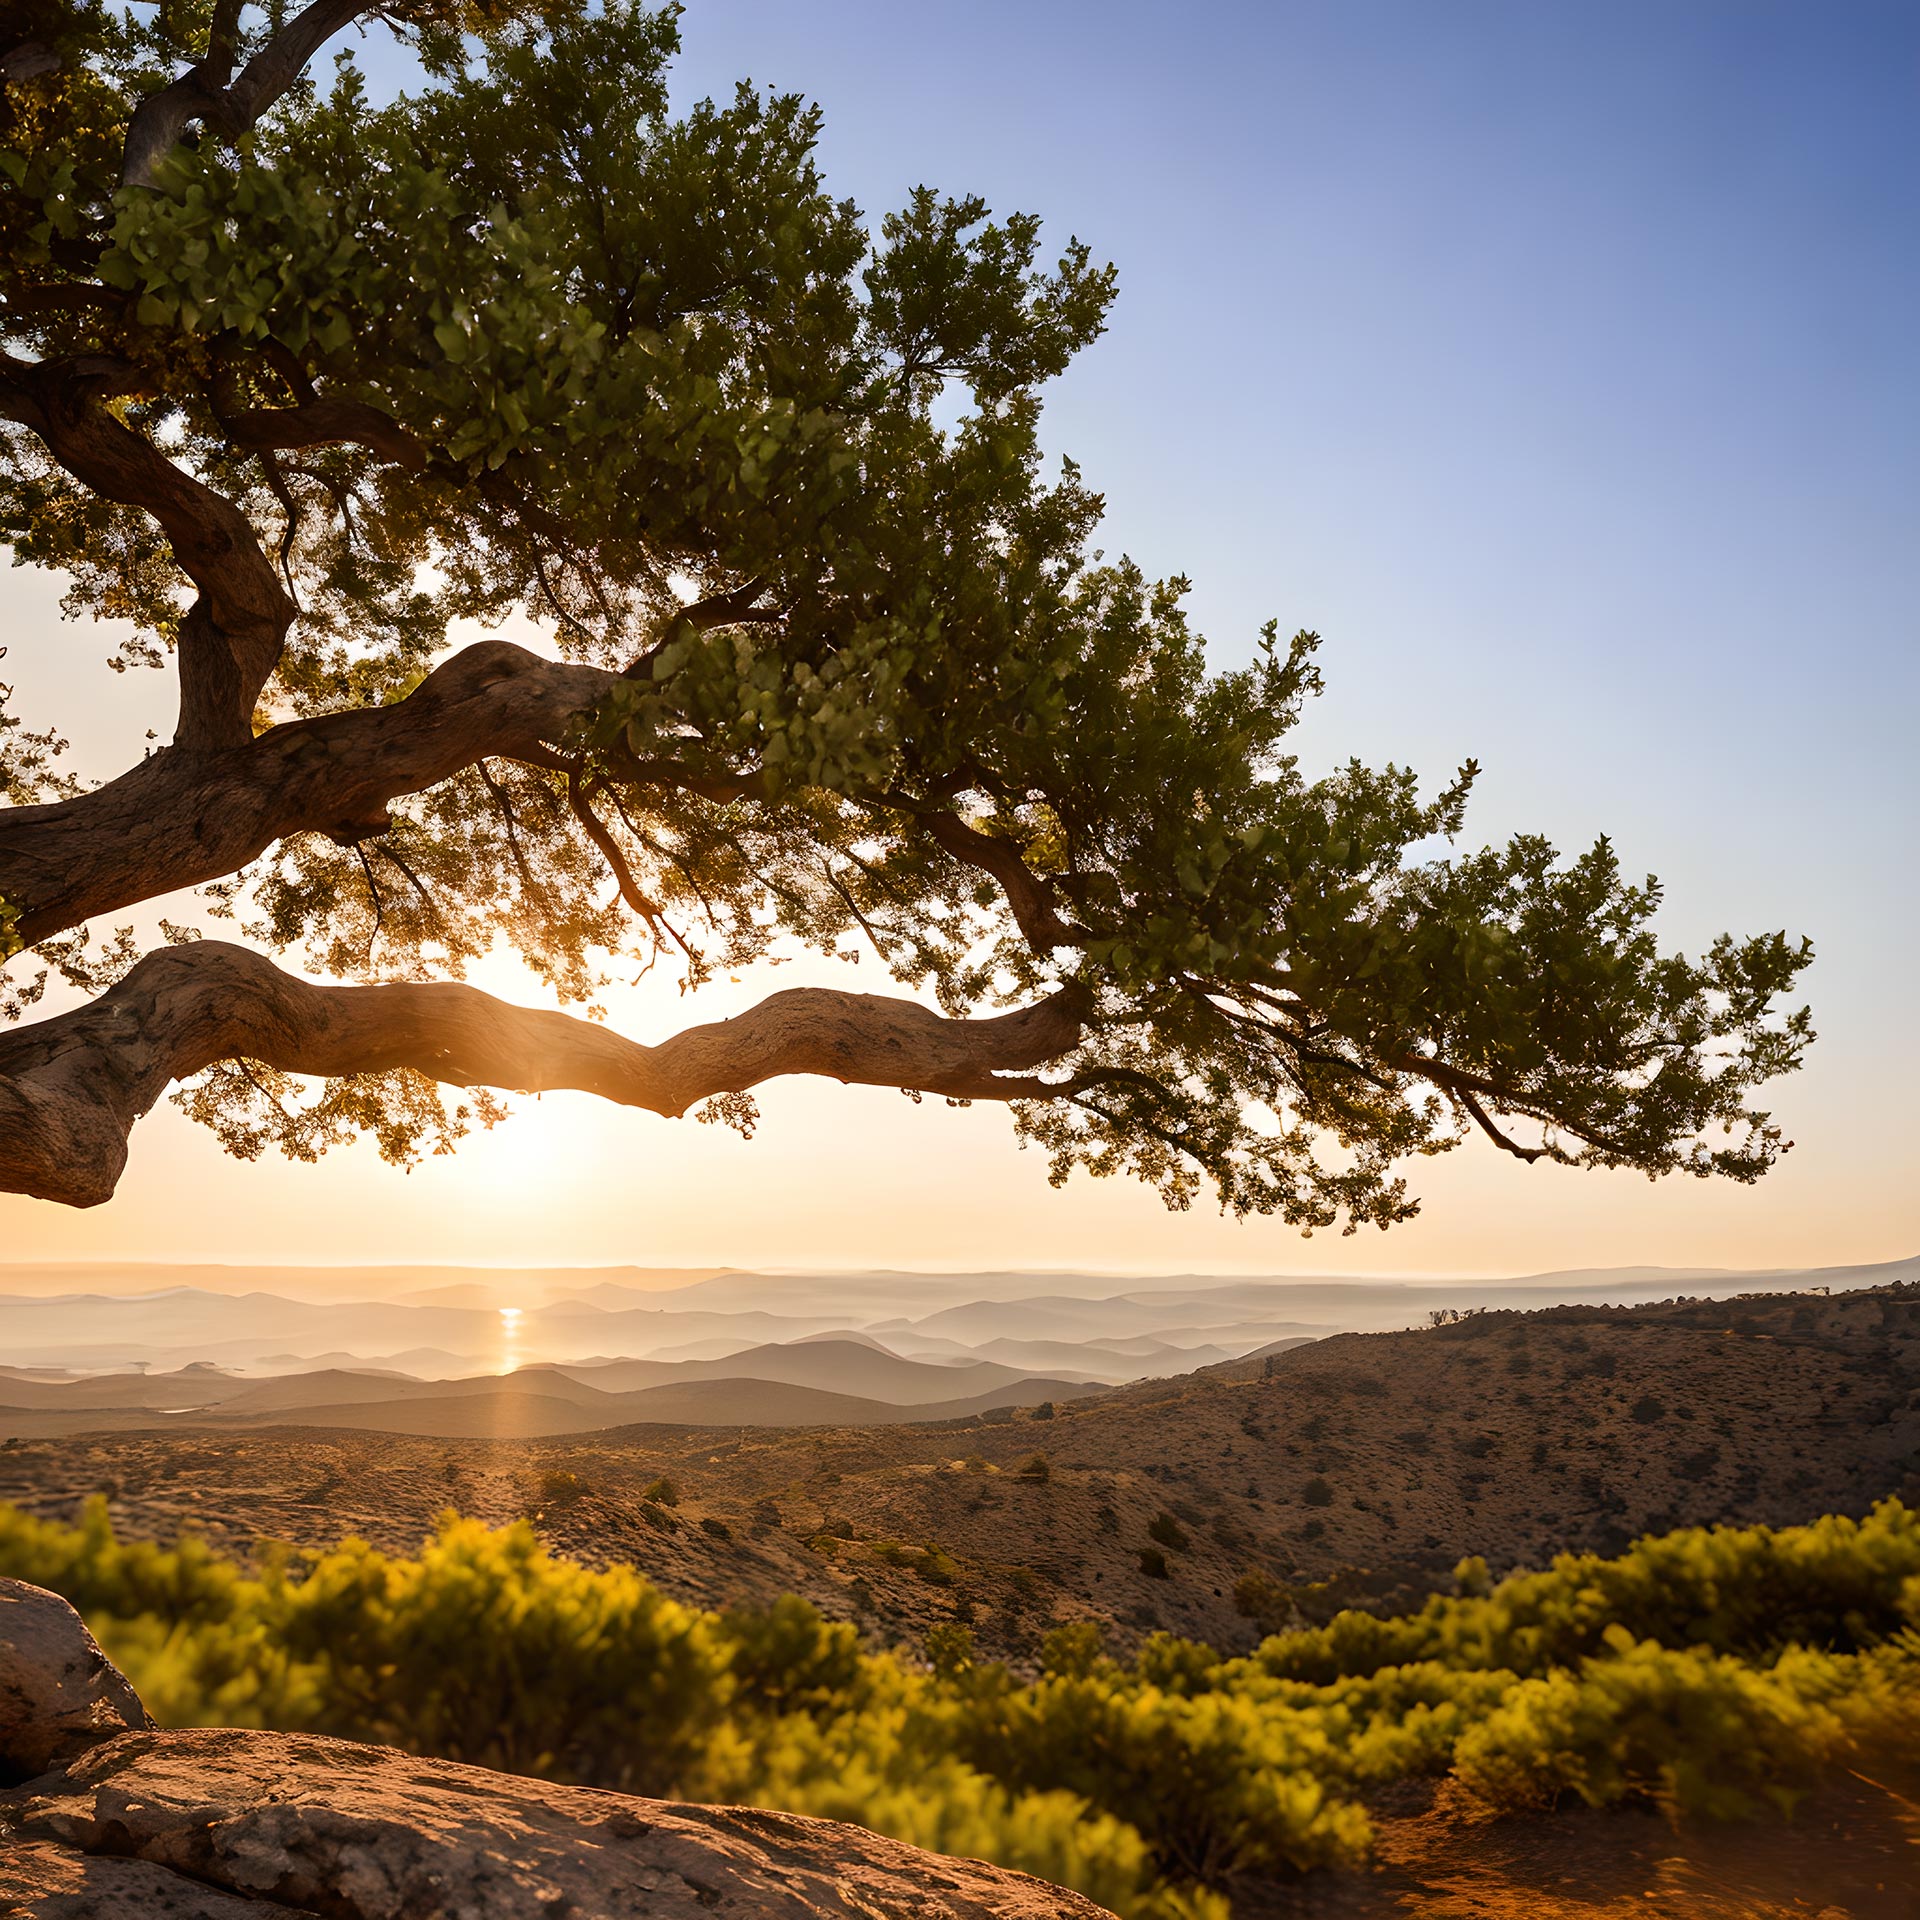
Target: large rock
(219, 1824)
(59, 1694)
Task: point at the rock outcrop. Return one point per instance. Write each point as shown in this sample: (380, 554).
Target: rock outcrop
(59, 1694)
(216, 1824)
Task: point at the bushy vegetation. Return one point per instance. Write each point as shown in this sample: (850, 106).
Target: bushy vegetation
(1716, 1672)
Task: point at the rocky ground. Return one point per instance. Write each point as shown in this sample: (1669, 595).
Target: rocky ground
(1364, 1465)
(102, 1818)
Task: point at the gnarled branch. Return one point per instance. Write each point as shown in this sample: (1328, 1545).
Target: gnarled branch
(205, 93)
(71, 1088)
(231, 639)
(177, 820)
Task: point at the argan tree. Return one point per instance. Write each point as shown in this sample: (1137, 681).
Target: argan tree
(311, 389)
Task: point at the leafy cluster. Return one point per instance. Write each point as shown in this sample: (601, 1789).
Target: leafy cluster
(521, 344)
(1716, 1672)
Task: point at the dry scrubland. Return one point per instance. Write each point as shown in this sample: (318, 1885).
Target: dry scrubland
(1361, 1468)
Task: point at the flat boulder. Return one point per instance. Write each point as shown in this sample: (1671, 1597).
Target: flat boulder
(304, 1825)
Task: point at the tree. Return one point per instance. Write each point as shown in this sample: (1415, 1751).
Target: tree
(295, 380)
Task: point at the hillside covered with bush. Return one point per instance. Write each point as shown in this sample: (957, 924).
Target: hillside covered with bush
(1217, 1506)
(1718, 1673)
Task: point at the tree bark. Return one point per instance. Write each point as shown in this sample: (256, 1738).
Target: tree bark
(72, 1087)
(183, 817)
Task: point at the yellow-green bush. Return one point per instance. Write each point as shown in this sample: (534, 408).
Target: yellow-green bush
(1715, 1671)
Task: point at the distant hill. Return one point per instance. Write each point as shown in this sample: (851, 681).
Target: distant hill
(446, 1322)
(837, 1365)
(534, 1402)
(1346, 1467)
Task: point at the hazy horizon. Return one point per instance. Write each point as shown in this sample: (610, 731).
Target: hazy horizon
(37, 1278)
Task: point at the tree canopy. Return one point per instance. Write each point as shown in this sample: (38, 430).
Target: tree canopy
(299, 383)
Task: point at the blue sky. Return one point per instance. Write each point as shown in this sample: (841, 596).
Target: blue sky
(1557, 364)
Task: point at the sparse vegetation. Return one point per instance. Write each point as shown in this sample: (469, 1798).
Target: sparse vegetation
(1316, 1493)
(1711, 1672)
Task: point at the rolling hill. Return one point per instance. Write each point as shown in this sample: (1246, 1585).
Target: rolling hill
(1364, 1464)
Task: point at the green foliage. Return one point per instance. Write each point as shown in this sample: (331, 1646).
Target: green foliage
(611, 353)
(1703, 1733)
(1716, 1673)
(1034, 1468)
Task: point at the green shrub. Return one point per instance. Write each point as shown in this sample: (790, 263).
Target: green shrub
(1715, 1672)
(1699, 1733)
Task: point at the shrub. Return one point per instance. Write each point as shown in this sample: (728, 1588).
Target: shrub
(950, 1650)
(663, 1492)
(1074, 1650)
(1164, 1528)
(1316, 1493)
(1714, 1672)
(1034, 1467)
(713, 1524)
(1697, 1732)
(1267, 1602)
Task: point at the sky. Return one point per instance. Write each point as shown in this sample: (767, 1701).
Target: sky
(1556, 364)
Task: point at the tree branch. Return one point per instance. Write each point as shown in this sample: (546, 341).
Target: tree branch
(27, 61)
(177, 819)
(325, 423)
(1028, 895)
(71, 1088)
(204, 93)
(231, 639)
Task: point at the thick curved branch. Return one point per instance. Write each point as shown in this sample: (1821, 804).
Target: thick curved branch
(179, 819)
(27, 61)
(71, 1088)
